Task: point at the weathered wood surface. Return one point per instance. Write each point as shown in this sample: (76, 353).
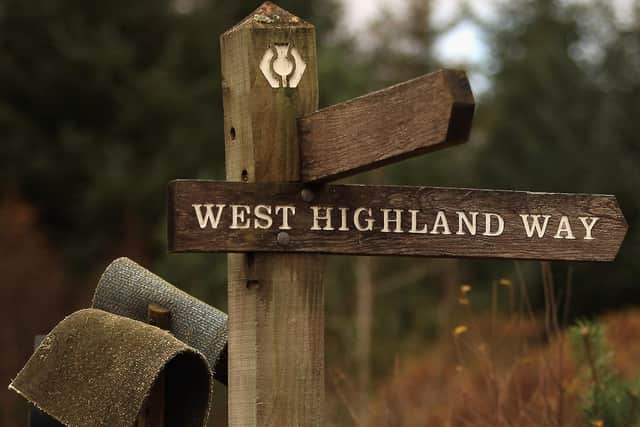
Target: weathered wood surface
(424, 114)
(159, 316)
(578, 226)
(276, 313)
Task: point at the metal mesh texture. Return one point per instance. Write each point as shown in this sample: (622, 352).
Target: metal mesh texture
(127, 289)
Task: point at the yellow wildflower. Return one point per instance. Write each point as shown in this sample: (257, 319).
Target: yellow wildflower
(465, 289)
(597, 423)
(504, 282)
(459, 330)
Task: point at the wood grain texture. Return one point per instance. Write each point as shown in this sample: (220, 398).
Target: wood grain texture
(427, 113)
(607, 233)
(276, 314)
(159, 316)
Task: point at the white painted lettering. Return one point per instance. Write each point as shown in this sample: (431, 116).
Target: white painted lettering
(369, 220)
(534, 226)
(564, 227)
(343, 219)
(317, 217)
(285, 215)
(238, 219)
(208, 217)
(263, 219)
(588, 227)
(470, 224)
(386, 220)
(414, 223)
(440, 223)
(487, 226)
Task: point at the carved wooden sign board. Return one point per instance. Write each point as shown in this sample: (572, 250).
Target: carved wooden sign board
(282, 152)
(386, 220)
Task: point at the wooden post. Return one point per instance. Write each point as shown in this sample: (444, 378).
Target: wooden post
(152, 414)
(364, 330)
(276, 301)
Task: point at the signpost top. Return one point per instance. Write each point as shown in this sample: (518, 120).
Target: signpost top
(270, 16)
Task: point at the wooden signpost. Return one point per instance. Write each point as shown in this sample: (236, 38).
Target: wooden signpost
(278, 215)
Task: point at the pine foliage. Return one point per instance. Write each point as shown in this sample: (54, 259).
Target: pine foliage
(609, 400)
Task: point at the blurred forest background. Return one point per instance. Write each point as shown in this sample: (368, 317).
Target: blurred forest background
(103, 103)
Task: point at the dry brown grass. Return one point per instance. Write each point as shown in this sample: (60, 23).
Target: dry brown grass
(500, 368)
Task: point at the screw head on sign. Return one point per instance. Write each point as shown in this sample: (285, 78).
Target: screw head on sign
(307, 195)
(283, 238)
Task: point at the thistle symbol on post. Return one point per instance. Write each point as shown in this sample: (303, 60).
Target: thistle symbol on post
(282, 66)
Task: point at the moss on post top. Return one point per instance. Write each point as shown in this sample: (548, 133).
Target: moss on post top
(270, 16)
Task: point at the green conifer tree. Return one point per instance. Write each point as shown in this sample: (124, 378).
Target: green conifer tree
(608, 400)
(559, 117)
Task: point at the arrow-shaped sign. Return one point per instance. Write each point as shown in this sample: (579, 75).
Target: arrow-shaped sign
(421, 115)
(385, 220)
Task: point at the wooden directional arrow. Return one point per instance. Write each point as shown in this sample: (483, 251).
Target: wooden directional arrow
(384, 220)
(424, 114)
